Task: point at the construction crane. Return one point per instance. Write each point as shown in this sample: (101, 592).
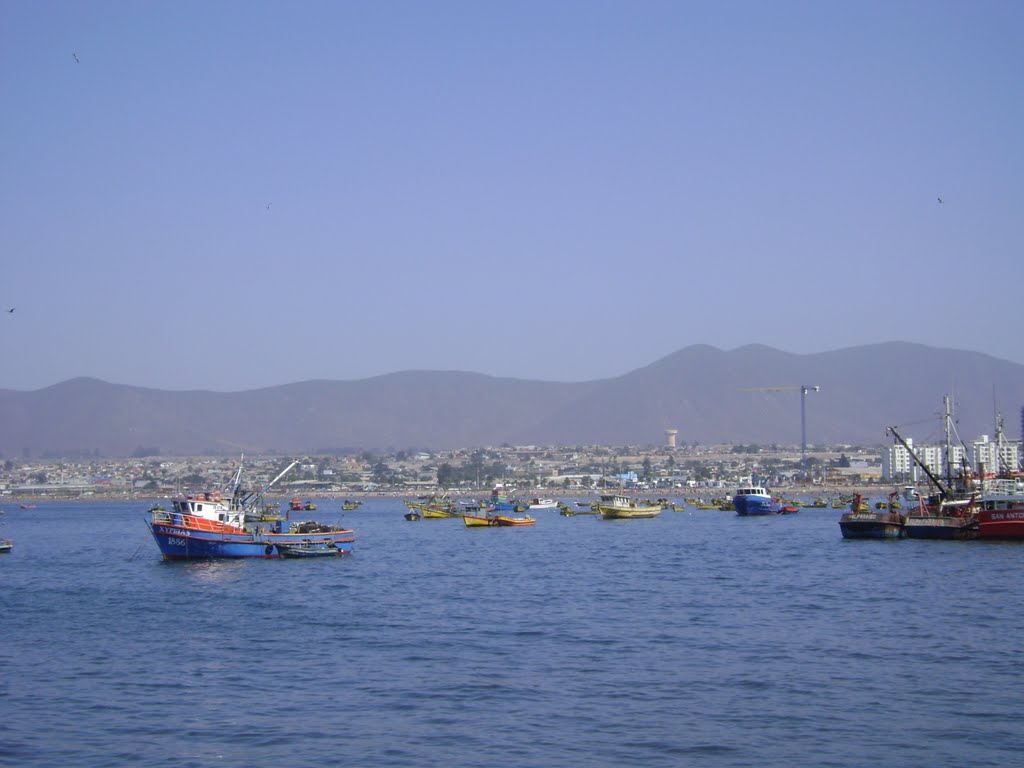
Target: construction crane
(804, 389)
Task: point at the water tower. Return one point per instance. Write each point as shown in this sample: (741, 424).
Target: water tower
(670, 437)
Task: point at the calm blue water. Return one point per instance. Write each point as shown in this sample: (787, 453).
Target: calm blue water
(698, 638)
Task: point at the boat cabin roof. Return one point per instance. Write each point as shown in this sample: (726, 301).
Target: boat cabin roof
(752, 490)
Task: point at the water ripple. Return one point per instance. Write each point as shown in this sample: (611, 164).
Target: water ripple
(693, 639)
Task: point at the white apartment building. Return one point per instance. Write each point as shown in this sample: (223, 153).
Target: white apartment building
(990, 457)
(897, 463)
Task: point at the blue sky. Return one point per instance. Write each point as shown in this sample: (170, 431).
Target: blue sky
(547, 190)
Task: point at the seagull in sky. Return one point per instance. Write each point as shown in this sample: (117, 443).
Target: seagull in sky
(10, 310)
(75, 56)
(268, 206)
(939, 199)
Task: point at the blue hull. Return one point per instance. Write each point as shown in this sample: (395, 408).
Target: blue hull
(751, 506)
(185, 544)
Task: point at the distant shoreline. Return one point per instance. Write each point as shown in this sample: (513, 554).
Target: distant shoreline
(690, 494)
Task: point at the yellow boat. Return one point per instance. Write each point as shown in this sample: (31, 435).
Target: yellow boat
(615, 507)
(437, 513)
(474, 521)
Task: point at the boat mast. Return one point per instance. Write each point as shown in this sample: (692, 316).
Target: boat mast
(1003, 465)
(949, 451)
(236, 484)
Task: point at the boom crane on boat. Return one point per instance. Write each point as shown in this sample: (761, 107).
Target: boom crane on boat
(804, 389)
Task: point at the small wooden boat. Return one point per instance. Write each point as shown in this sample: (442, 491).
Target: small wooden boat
(502, 520)
(476, 521)
(6, 545)
(438, 513)
(616, 507)
(350, 505)
(270, 513)
(308, 548)
(542, 504)
(412, 514)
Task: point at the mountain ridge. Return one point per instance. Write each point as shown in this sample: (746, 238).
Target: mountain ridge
(709, 395)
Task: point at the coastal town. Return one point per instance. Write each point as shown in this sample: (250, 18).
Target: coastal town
(674, 470)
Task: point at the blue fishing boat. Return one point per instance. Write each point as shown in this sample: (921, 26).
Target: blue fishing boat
(755, 500)
(501, 503)
(230, 524)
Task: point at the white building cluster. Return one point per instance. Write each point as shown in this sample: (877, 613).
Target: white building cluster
(986, 456)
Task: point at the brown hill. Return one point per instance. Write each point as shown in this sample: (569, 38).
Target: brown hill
(709, 395)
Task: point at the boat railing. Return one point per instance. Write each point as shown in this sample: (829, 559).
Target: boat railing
(195, 523)
(162, 516)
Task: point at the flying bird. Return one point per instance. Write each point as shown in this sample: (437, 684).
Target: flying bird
(75, 55)
(268, 206)
(939, 199)
(10, 310)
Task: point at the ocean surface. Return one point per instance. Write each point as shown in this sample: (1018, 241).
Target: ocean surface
(698, 638)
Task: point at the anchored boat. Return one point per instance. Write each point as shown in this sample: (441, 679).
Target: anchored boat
(617, 507)
(755, 501)
(509, 521)
(542, 504)
(309, 548)
(949, 513)
(230, 524)
(1001, 510)
(862, 522)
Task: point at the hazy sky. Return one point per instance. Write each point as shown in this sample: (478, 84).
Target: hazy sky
(546, 190)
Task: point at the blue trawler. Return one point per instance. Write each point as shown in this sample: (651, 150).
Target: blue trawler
(230, 524)
(755, 500)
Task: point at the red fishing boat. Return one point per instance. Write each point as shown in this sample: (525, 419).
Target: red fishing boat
(1001, 509)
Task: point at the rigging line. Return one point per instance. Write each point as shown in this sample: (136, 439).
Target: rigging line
(138, 551)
